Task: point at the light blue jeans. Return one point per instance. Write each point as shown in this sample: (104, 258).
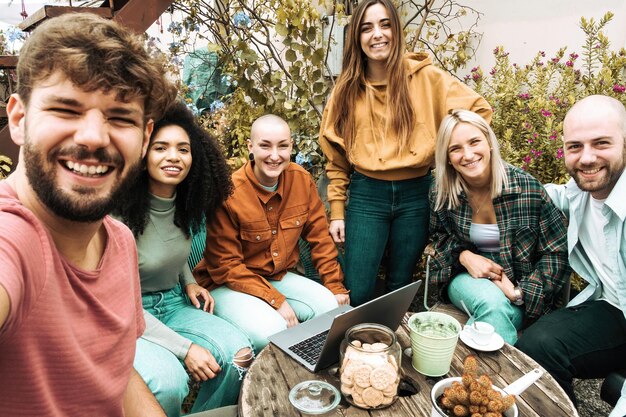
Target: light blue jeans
(259, 320)
(487, 303)
(164, 373)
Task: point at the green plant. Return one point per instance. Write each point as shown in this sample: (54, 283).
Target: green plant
(530, 101)
(275, 55)
(5, 166)
(8, 39)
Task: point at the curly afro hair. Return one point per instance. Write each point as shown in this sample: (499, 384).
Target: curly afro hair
(207, 185)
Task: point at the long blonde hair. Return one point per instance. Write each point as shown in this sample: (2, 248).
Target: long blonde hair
(448, 181)
(352, 82)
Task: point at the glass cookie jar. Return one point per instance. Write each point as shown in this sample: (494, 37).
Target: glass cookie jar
(369, 366)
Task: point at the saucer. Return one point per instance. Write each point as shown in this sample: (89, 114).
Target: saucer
(496, 341)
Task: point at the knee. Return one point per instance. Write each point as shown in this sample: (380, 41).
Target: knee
(326, 303)
(538, 344)
(170, 387)
(500, 306)
(243, 358)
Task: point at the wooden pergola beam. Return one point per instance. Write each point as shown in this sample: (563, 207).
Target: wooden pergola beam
(139, 15)
(8, 61)
(47, 12)
(7, 147)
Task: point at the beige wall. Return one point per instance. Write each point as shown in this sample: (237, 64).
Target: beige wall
(525, 27)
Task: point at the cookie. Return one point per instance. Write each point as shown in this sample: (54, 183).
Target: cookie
(357, 398)
(379, 347)
(382, 377)
(391, 390)
(346, 379)
(387, 400)
(361, 375)
(372, 397)
(392, 360)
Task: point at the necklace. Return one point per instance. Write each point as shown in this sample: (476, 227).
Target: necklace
(482, 202)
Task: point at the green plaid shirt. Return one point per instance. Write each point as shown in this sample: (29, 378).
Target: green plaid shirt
(533, 240)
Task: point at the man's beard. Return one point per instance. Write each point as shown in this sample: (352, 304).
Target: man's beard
(82, 207)
(612, 175)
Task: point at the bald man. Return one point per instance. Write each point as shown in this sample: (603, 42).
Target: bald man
(252, 243)
(587, 339)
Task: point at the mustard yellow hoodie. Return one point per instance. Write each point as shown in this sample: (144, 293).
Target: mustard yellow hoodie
(434, 93)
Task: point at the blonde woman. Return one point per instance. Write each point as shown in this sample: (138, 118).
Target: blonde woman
(501, 244)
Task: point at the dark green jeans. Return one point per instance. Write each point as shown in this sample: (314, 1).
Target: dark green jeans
(381, 214)
(585, 341)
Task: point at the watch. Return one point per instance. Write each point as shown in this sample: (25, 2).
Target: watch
(519, 300)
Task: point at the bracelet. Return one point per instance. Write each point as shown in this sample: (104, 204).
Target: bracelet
(519, 299)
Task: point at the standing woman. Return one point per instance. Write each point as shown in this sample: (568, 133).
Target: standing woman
(500, 243)
(378, 134)
(186, 179)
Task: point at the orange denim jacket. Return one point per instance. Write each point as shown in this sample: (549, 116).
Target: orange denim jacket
(254, 236)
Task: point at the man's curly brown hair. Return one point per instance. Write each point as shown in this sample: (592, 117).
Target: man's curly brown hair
(94, 54)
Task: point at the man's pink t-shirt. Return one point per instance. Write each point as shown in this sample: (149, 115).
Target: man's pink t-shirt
(68, 345)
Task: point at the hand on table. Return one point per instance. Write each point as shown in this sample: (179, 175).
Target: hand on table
(343, 299)
(200, 363)
(196, 292)
(288, 314)
(337, 230)
(480, 267)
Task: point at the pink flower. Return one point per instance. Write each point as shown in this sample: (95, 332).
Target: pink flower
(559, 153)
(569, 64)
(546, 113)
(573, 56)
(555, 60)
(524, 96)
(542, 53)
(530, 141)
(527, 159)
(476, 76)
(553, 135)
(493, 71)
(618, 88)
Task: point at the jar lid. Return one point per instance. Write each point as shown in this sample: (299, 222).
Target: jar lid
(314, 397)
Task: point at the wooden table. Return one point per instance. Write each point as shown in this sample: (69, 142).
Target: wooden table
(266, 386)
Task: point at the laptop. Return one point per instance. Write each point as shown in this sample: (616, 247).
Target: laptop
(315, 343)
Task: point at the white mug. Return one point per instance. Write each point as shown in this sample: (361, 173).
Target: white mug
(481, 332)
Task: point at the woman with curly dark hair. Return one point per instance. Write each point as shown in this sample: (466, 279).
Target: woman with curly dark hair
(184, 181)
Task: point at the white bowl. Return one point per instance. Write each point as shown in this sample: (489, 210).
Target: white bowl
(440, 386)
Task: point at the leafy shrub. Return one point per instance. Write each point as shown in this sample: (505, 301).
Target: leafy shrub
(530, 101)
(276, 55)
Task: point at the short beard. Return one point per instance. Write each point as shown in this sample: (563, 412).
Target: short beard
(609, 182)
(84, 209)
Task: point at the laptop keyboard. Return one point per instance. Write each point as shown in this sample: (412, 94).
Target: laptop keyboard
(310, 349)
